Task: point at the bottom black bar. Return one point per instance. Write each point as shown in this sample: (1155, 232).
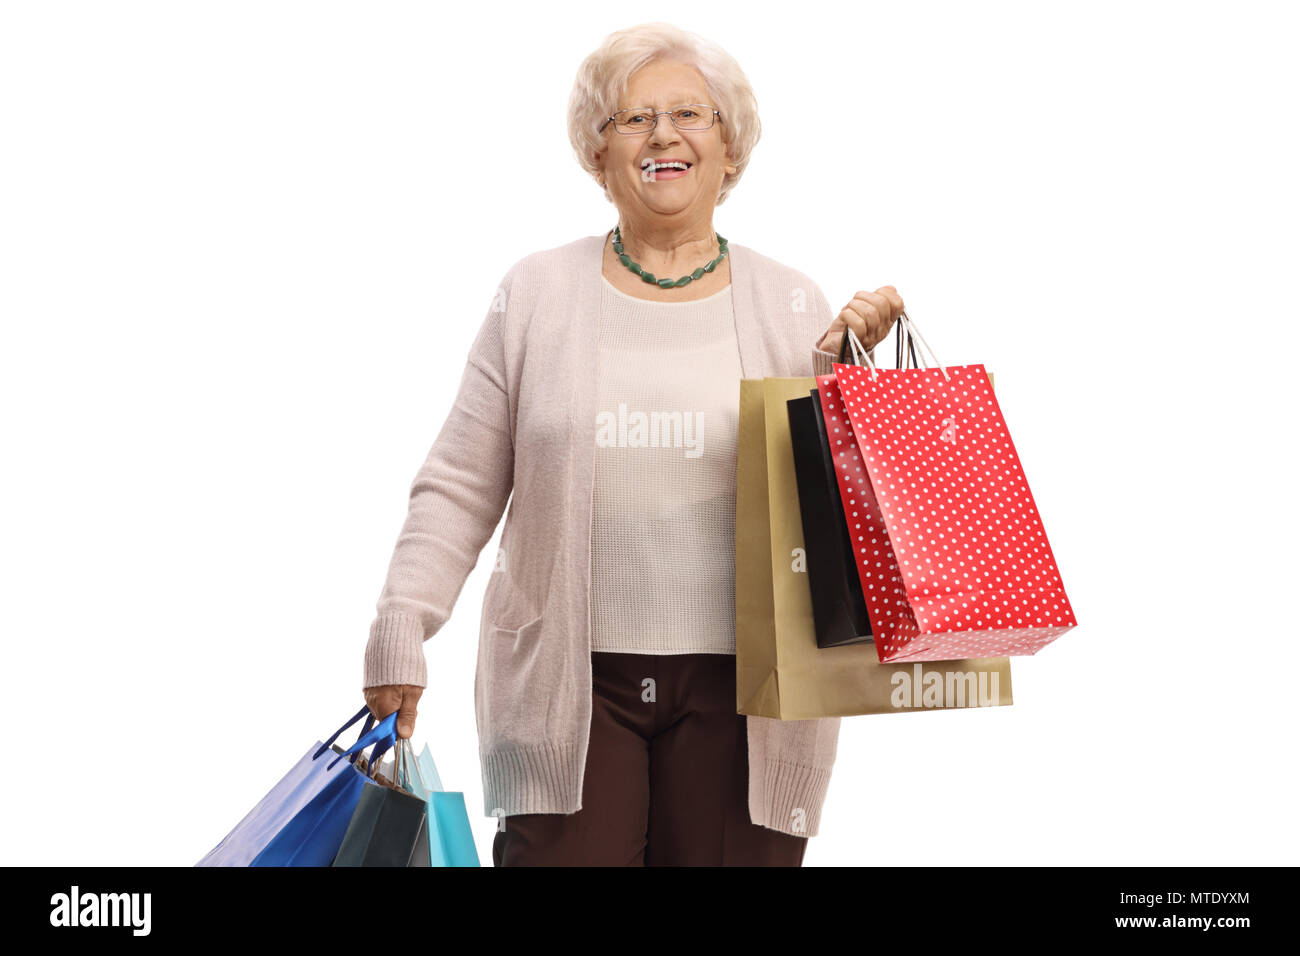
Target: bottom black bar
(258, 906)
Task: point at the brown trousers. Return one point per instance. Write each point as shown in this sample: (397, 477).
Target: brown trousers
(667, 776)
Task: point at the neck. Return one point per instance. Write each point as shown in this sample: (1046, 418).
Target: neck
(666, 249)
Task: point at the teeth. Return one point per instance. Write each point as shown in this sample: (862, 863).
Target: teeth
(648, 164)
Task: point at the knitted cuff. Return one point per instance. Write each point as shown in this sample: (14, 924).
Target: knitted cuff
(822, 361)
(395, 651)
(793, 795)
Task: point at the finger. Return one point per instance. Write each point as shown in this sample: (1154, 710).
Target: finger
(895, 300)
(853, 318)
(870, 306)
(383, 700)
(406, 713)
(889, 306)
(875, 309)
(876, 300)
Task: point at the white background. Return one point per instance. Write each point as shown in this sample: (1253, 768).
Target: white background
(244, 249)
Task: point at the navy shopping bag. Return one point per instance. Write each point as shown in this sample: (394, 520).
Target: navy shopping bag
(389, 827)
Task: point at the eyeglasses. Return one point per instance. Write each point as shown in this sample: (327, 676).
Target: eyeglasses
(692, 117)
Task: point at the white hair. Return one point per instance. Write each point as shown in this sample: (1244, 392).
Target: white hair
(604, 74)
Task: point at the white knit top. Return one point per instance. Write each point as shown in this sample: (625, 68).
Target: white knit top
(663, 560)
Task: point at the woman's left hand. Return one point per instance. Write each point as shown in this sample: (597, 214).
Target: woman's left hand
(870, 314)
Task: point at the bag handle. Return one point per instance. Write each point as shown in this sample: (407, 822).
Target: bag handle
(413, 770)
(401, 775)
(908, 326)
(906, 332)
(856, 345)
(382, 736)
(904, 349)
(404, 764)
(861, 356)
(370, 720)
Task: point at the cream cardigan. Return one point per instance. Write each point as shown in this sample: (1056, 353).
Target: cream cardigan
(524, 420)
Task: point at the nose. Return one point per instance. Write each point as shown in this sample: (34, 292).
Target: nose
(671, 134)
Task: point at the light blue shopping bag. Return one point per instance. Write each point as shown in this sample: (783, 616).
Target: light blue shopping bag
(451, 841)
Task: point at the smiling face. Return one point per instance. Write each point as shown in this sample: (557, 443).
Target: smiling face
(638, 188)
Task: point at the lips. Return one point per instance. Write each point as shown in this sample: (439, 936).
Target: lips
(669, 167)
(666, 159)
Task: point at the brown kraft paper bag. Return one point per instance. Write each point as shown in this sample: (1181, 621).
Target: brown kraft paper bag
(780, 670)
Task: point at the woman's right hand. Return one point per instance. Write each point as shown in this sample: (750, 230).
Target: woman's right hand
(402, 698)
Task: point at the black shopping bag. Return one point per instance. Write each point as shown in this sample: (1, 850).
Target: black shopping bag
(839, 610)
(388, 828)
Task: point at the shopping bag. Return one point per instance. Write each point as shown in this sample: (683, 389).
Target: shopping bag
(294, 791)
(780, 670)
(314, 834)
(950, 547)
(839, 610)
(451, 841)
(427, 771)
(389, 827)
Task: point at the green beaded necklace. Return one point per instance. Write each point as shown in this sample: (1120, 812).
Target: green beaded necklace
(667, 283)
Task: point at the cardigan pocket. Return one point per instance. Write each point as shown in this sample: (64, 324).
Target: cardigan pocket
(521, 681)
(516, 636)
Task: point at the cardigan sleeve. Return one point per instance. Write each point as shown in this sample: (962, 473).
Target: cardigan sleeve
(456, 500)
(822, 362)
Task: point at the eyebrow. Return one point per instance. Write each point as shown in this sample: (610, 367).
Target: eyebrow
(683, 100)
(680, 103)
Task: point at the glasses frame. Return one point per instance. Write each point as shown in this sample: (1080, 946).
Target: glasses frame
(717, 118)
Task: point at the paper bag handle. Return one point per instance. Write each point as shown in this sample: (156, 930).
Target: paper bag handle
(906, 332)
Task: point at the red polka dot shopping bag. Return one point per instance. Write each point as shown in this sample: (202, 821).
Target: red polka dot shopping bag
(950, 548)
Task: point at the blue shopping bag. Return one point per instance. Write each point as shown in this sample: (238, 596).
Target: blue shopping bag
(314, 835)
(451, 841)
(304, 781)
(294, 791)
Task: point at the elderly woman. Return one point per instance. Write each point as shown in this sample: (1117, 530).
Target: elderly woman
(602, 389)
